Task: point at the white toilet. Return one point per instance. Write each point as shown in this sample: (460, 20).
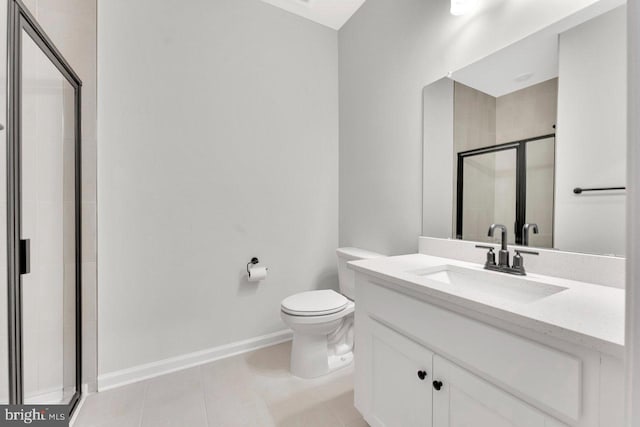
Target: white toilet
(322, 322)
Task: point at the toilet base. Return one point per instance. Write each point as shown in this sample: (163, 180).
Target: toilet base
(310, 357)
(338, 362)
(321, 344)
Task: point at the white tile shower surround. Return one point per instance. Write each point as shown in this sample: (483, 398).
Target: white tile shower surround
(251, 389)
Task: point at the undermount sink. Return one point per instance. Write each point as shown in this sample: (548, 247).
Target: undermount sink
(473, 282)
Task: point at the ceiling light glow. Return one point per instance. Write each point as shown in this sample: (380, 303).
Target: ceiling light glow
(460, 7)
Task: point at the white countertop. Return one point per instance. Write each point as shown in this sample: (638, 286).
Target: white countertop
(586, 314)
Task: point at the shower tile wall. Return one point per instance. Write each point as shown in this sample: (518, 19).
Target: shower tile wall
(474, 119)
(528, 112)
(71, 24)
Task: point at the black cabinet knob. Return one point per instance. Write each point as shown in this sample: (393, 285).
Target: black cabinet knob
(437, 385)
(422, 374)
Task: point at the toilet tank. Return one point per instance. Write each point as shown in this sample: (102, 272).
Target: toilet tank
(346, 276)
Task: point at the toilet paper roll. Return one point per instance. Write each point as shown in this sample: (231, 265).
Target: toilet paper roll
(257, 273)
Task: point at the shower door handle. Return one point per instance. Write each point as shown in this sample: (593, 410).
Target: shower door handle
(25, 256)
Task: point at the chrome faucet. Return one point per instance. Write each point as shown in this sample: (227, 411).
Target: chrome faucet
(503, 254)
(525, 232)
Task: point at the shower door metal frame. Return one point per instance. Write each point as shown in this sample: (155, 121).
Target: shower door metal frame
(20, 21)
(521, 181)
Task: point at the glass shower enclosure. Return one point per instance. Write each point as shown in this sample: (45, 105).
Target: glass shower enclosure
(41, 304)
(511, 184)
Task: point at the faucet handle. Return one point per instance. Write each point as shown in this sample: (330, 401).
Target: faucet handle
(522, 251)
(518, 261)
(491, 256)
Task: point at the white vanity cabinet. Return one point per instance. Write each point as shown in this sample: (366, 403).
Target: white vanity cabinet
(410, 386)
(401, 390)
(422, 364)
(465, 400)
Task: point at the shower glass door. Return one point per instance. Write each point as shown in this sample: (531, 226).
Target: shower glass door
(489, 193)
(48, 219)
(44, 277)
(510, 184)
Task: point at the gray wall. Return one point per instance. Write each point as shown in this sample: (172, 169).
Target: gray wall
(218, 142)
(591, 147)
(438, 107)
(389, 51)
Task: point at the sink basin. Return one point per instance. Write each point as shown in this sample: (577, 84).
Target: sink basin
(470, 282)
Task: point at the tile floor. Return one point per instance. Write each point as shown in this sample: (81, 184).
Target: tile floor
(253, 389)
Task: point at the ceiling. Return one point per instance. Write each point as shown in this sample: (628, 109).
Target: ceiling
(523, 64)
(530, 61)
(330, 13)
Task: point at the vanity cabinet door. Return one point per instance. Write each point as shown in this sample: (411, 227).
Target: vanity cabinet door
(464, 400)
(401, 380)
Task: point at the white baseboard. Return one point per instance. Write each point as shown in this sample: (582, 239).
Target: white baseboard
(154, 369)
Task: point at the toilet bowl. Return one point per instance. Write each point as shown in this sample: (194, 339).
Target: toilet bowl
(322, 322)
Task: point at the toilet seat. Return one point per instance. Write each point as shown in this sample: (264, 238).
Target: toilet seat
(314, 303)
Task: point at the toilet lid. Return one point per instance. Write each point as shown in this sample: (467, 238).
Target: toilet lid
(314, 303)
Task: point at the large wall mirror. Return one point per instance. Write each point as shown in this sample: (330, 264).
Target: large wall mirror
(534, 137)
